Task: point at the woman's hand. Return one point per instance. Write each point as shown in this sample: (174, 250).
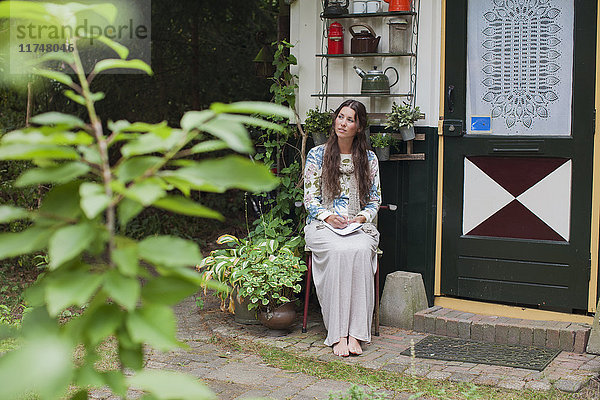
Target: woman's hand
(337, 221)
(361, 219)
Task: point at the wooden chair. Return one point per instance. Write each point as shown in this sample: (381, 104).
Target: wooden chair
(391, 207)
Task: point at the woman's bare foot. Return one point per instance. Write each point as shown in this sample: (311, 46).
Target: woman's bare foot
(341, 348)
(354, 346)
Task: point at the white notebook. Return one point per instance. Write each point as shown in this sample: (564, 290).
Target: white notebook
(354, 226)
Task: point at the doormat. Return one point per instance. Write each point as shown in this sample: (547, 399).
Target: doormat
(507, 355)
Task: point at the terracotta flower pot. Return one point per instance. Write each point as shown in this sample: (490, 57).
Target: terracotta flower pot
(282, 317)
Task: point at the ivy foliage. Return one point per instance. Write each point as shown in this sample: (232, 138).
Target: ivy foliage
(90, 264)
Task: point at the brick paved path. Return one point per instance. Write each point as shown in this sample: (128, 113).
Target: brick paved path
(235, 375)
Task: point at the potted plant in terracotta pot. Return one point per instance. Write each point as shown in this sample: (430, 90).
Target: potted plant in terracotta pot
(381, 143)
(318, 124)
(272, 280)
(265, 272)
(402, 119)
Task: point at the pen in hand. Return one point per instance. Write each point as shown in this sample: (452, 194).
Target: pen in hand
(337, 221)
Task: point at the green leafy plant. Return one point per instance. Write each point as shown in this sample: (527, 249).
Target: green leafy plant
(403, 115)
(318, 122)
(265, 271)
(382, 140)
(91, 265)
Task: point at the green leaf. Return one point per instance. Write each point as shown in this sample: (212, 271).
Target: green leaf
(68, 242)
(61, 174)
(261, 123)
(73, 288)
(103, 322)
(93, 199)
(45, 136)
(253, 107)
(185, 184)
(128, 209)
(126, 258)
(169, 251)
(171, 385)
(61, 202)
(231, 132)
(228, 173)
(56, 118)
(54, 75)
(10, 213)
(43, 366)
(195, 119)
(146, 192)
(90, 154)
(152, 142)
(208, 146)
(124, 290)
(155, 325)
(27, 241)
(227, 239)
(182, 205)
(75, 97)
(168, 290)
(135, 167)
(105, 64)
(121, 50)
(29, 152)
(65, 57)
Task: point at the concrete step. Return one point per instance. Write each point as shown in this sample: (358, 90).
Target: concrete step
(565, 336)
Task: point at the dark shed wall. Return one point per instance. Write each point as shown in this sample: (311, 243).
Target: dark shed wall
(408, 234)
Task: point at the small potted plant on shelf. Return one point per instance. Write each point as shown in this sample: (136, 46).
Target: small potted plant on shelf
(402, 118)
(318, 124)
(381, 143)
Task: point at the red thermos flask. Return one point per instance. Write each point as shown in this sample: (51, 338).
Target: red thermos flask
(335, 39)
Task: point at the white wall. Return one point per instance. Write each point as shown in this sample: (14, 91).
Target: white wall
(307, 34)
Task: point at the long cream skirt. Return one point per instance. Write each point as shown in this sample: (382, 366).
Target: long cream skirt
(343, 271)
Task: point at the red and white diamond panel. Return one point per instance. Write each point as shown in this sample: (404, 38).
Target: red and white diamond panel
(523, 198)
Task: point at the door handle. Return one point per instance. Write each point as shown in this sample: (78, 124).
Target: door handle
(450, 98)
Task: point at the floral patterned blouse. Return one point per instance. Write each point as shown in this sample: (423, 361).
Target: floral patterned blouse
(312, 187)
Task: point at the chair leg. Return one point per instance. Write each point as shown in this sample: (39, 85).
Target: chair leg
(377, 299)
(307, 290)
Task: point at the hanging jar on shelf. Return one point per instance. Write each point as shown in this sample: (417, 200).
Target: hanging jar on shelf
(335, 39)
(400, 35)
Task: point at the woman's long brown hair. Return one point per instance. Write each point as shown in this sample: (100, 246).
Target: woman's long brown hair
(331, 162)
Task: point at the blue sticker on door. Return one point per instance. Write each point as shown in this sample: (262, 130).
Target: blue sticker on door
(481, 124)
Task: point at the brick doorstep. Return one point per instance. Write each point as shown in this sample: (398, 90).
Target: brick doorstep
(571, 337)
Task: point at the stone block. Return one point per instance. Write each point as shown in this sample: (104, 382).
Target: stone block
(489, 333)
(581, 340)
(477, 330)
(464, 329)
(501, 333)
(452, 327)
(526, 335)
(553, 338)
(566, 339)
(403, 296)
(593, 345)
(514, 334)
(430, 323)
(419, 322)
(440, 326)
(539, 336)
